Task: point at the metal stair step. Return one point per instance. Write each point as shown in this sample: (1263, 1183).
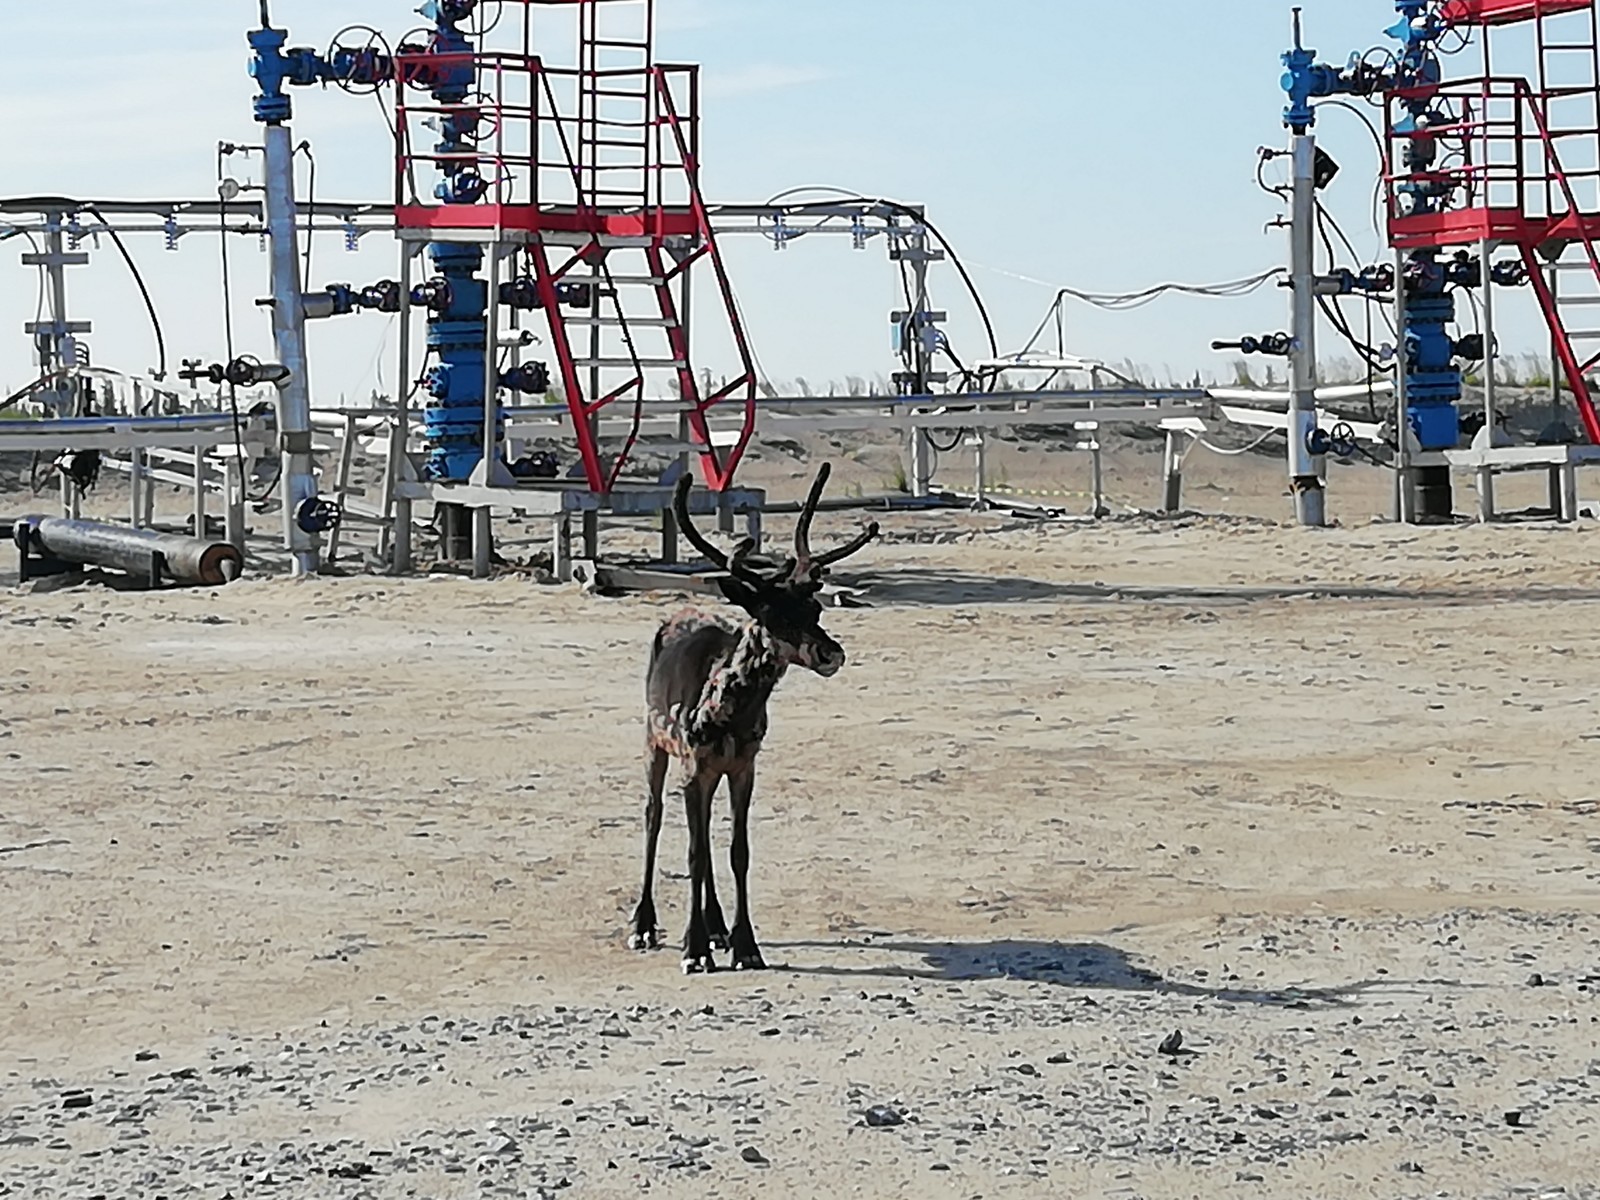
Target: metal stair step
(628, 362)
(617, 322)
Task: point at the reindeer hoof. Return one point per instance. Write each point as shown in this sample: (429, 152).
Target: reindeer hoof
(719, 941)
(644, 941)
(750, 962)
(699, 966)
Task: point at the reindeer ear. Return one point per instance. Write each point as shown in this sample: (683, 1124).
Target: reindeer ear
(738, 592)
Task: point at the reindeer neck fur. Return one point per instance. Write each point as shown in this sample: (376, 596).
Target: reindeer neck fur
(733, 703)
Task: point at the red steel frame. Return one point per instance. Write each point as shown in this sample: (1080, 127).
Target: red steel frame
(552, 170)
(1507, 183)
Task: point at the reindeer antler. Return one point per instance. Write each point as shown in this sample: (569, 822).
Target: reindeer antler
(735, 566)
(802, 530)
(867, 535)
(806, 563)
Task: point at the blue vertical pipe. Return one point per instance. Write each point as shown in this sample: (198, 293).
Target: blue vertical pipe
(458, 333)
(1433, 380)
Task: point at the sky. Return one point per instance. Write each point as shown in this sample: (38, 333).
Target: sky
(1100, 146)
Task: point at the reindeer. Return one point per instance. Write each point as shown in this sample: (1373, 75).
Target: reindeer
(706, 690)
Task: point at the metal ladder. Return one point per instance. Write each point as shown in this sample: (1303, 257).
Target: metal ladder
(1566, 272)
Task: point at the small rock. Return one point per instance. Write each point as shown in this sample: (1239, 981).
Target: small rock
(1410, 1168)
(1172, 1043)
(77, 1100)
(146, 1056)
(1536, 980)
(751, 1155)
(881, 1116)
(1514, 1117)
(1058, 1059)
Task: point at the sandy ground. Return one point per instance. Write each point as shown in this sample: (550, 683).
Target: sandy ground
(320, 889)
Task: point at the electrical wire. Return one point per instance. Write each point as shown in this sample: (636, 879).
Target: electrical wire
(1262, 159)
(138, 279)
(1128, 301)
(227, 328)
(921, 219)
(1372, 127)
(311, 208)
(1255, 445)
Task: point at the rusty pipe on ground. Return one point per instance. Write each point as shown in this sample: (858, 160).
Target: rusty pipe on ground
(184, 559)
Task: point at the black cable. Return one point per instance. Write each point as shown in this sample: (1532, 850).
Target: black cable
(1372, 128)
(1366, 353)
(138, 278)
(955, 259)
(233, 391)
(1325, 219)
(311, 210)
(1262, 159)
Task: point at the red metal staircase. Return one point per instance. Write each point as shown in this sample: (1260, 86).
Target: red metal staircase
(1520, 165)
(594, 176)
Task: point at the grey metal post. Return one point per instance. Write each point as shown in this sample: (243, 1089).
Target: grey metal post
(491, 372)
(1555, 352)
(591, 534)
(1305, 476)
(1486, 508)
(669, 536)
(1172, 475)
(921, 439)
(347, 453)
(199, 491)
(482, 542)
(980, 454)
(561, 548)
(289, 333)
(57, 336)
(233, 482)
(1098, 475)
(136, 486)
(147, 514)
(1405, 498)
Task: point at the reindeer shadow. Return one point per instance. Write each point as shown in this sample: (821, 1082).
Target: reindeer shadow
(922, 586)
(1085, 965)
(937, 587)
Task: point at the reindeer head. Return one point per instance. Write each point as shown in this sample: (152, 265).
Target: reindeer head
(783, 601)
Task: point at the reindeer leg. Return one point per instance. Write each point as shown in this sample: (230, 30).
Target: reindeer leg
(696, 939)
(716, 923)
(646, 933)
(746, 953)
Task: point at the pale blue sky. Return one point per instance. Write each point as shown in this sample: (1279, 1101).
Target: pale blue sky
(1105, 146)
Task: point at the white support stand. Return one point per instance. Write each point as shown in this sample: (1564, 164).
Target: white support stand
(234, 483)
(200, 468)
